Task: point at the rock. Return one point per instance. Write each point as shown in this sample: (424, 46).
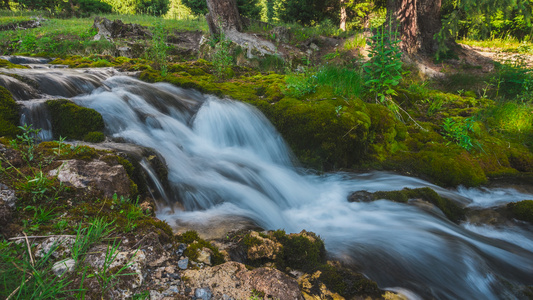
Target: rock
(6, 214)
(63, 244)
(204, 256)
(203, 293)
(361, 196)
(117, 29)
(233, 280)
(314, 47)
(183, 263)
(95, 174)
(61, 267)
(7, 195)
(281, 34)
(181, 248)
(262, 247)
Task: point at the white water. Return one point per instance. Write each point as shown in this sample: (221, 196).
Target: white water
(225, 160)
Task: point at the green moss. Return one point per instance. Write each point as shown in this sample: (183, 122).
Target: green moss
(94, 137)
(9, 114)
(8, 65)
(195, 244)
(304, 251)
(347, 283)
(522, 210)
(72, 121)
(452, 211)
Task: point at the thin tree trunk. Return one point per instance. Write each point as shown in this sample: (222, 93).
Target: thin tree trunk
(223, 16)
(343, 15)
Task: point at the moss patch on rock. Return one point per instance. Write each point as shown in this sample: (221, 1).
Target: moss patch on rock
(72, 121)
(195, 244)
(522, 210)
(9, 114)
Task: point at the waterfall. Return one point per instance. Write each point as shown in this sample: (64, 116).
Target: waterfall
(226, 161)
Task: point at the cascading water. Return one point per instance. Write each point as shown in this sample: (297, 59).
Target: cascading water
(226, 161)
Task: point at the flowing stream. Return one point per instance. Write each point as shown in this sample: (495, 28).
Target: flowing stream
(227, 162)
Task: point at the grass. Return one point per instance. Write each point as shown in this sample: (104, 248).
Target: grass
(74, 36)
(507, 44)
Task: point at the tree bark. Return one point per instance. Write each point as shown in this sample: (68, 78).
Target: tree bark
(223, 16)
(402, 15)
(428, 12)
(343, 15)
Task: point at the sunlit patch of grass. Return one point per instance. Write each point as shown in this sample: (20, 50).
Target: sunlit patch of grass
(356, 41)
(344, 81)
(511, 117)
(507, 44)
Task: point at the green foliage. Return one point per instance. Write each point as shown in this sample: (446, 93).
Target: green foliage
(88, 7)
(222, 58)
(522, 210)
(72, 121)
(86, 237)
(299, 85)
(26, 142)
(247, 8)
(344, 81)
(458, 131)
(159, 48)
(384, 69)
(26, 280)
(9, 114)
(308, 12)
(151, 7)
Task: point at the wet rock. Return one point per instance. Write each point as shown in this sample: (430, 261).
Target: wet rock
(361, 196)
(96, 174)
(64, 266)
(203, 293)
(183, 263)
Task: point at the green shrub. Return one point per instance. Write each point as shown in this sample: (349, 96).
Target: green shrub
(248, 8)
(72, 121)
(152, 7)
(9, 114)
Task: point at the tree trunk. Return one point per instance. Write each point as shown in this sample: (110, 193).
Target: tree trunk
(343, 15)
(223, 16)
(429, 23)
(402, 15)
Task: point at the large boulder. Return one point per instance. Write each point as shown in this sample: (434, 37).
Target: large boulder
(233, 279)
(108, 29)
(95, 175)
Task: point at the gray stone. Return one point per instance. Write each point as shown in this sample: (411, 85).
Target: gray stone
(204, 256)
(7, 195)
(183, 263)
(314, 47)
(64, 266)
(203, 293)
(181, 248)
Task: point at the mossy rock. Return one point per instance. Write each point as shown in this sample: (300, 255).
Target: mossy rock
(72, 121)
(304, 251)
(452, 211)
(195, 244)
(8, 65)
(348, 283)
(94, 137)
(9, 114)
(522, 210)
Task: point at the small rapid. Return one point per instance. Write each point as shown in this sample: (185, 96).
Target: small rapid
(227, 162)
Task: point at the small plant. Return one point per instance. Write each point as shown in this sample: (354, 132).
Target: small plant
(384, 69)
(86, 237)
(222, 59)
(458, 132)
(299, 85)
(107, 276)
(159, 48)
(26, 142)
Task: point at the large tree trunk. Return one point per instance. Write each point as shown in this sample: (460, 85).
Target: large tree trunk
(417, 22)
(343, 15)
(402, 15)
(223, 16)
(429, 23)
